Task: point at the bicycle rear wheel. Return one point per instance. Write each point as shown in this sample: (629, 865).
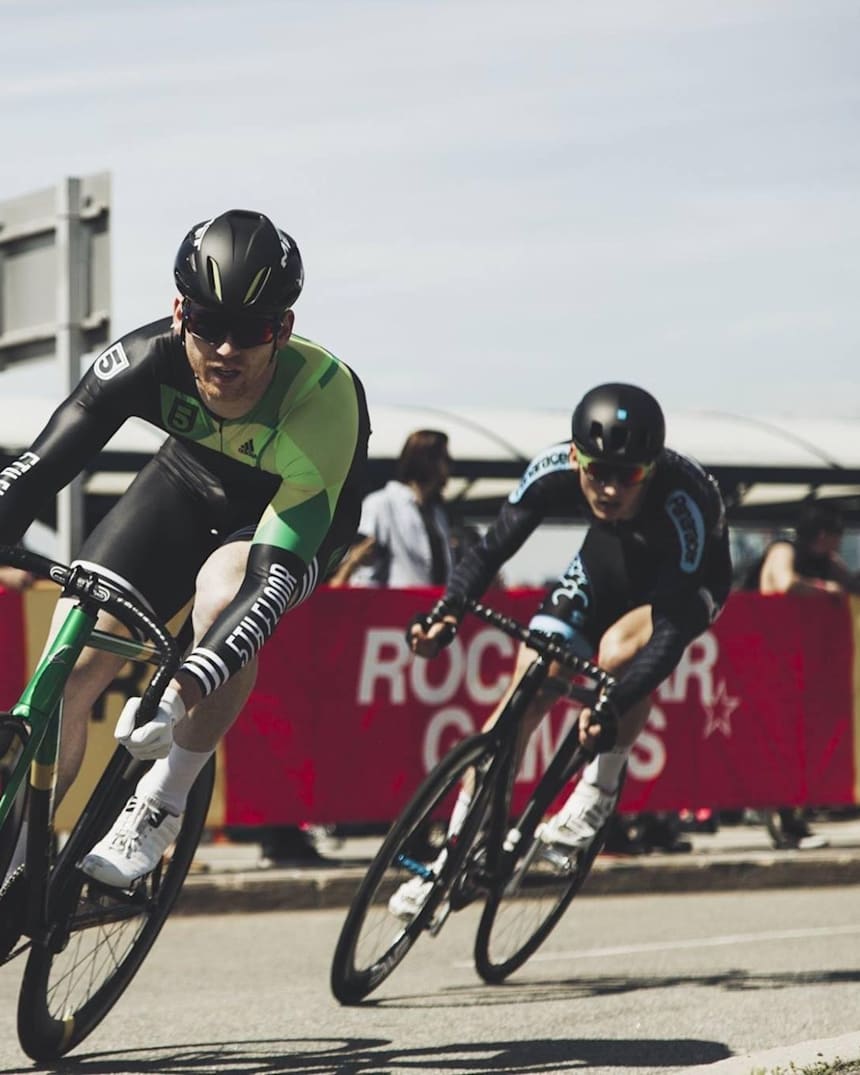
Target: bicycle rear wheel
(373, 941)
(92, 949)
(523, 910)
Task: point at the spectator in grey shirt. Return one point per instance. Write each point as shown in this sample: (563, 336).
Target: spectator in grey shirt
(404, 536)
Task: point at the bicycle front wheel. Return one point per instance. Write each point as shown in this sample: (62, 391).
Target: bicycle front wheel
(90, 952)
(374, 940)
(521, 912)
(12, 826)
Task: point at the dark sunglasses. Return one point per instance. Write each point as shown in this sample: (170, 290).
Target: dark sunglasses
(602, 473)
(214, 326)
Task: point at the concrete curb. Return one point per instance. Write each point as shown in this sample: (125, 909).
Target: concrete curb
(269, 890)
(787, 1059)
(313, 887)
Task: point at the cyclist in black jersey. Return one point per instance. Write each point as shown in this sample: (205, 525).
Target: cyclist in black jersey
(248, 505)
(653, 572)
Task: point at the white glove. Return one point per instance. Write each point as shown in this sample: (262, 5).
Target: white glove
(153, 739)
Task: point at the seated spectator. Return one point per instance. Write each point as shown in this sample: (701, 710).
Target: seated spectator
(809, 564)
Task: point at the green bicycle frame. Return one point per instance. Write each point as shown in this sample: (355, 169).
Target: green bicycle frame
(42, 697)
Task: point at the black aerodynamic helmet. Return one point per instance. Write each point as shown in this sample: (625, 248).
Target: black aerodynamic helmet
(619, 422)
(241, 263)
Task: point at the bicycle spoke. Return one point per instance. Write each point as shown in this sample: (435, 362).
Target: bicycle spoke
(92, 955)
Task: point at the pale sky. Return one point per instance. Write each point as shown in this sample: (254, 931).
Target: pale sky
(498, 203)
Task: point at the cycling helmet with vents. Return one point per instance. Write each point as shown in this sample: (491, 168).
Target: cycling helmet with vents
(240, 263)
(619, 423)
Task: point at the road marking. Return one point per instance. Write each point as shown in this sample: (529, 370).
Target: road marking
(726, 940)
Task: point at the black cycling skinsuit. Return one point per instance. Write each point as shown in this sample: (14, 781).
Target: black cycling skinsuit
(288, 476)
(673, 556)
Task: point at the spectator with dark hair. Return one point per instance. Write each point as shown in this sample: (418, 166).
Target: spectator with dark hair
(404, 534)
(809, 564)
(14, 579)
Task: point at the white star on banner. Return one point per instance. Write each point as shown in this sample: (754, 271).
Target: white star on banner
(719, 712)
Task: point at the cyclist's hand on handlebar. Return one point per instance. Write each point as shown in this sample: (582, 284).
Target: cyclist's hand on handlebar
(429, 633)
(598, 727)
(155, 738)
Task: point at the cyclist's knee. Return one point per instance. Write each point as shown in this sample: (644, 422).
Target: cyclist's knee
(623, 640)
(614, 653)
(217, 584)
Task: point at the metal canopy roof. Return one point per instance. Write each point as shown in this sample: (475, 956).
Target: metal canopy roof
(763, 463)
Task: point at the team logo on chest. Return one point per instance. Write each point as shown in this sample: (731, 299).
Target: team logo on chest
(182, 416)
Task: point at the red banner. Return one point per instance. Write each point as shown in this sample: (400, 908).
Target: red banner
(13, 646)
(344, 722)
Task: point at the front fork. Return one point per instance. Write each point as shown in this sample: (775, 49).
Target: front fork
(40, 827)
(41, 707)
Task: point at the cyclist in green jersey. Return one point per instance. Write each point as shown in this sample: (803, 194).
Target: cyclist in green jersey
(246, 508)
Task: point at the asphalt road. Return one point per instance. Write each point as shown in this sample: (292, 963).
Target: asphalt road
(640, 984)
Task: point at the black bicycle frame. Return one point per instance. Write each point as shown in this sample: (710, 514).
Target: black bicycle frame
(505, 835)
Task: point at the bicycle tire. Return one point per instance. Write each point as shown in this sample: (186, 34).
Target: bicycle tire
(373, 941)
(526, 906)
(80, 968)
(12, 826)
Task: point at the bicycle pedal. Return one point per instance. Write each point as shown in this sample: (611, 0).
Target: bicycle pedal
(559, 860)
(97, 891)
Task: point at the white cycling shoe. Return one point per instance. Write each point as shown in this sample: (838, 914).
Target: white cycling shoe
(134, 845)
(409, 898)
(580, 819)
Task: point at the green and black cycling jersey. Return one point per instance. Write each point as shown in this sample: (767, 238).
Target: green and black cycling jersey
(289, 474)
(673, 556)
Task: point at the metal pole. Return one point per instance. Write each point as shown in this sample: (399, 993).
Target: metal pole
(72, 283)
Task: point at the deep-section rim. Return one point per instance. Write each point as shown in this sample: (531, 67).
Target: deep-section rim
(42, 1035)
(350, 984)
(494, 972)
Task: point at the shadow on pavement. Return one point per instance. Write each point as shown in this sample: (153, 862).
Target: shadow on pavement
(373, 1056)
(554, 989)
